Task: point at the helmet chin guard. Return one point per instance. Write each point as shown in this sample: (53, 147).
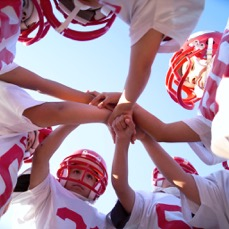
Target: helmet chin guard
(202, 46)
(32, 23)
(80, 16)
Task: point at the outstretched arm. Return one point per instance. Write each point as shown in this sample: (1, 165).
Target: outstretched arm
(119, 171)
(163, 132)
(29, 80)
(170, 169)
(43, 153)
(141, 59)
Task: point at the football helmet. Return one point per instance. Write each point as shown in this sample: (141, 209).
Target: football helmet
(89, 162)
(158, 178)
(32, 21)
(200, 48)
(81, 16)
(40, 136)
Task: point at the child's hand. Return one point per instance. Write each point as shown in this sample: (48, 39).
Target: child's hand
(124, 127)
(106, 100)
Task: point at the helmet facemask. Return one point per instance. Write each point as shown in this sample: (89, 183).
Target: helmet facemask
(32, 23)
(81, 22)
(189, 68)
(29, 15)
(88, 165)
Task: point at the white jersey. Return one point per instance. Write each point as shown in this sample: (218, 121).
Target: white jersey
(213, 213)
(50, 205)
(220, 69)
(213, 122)
(175, 18)
(11, 157)
(157, 210)
(14, 100)
(220, 123)
(202, 149)
(14, 127)
(10, 20)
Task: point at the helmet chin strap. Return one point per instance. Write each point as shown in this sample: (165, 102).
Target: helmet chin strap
(209, 54)
(209, 57)
(68, 20)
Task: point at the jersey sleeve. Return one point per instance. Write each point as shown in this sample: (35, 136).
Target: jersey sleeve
(175, 19)
(213, 211)
(118, 216)
(202, 127)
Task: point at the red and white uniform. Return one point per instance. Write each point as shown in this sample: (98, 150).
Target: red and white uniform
(10, 17)
(11, 157)
(175, 18)
(14, 127)
(157, 210)
(214, 196)
(50, 205)
(14, 100)
(213, 124)
(220, 123)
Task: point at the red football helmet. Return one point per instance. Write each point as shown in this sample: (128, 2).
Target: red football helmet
(202, 46)
(90, 162)
(186, 166)
(32, 21)
(40, 136)
(81, 16)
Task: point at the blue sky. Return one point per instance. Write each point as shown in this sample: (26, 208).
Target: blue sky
(102, 65)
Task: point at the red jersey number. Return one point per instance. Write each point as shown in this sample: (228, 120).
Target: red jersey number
(65, 213)
(14, 153)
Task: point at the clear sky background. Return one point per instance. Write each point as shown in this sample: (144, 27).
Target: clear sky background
(102, 65)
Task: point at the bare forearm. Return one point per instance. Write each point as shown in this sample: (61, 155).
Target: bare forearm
(161, 159)
(120, 175)
(134, 86)
(56, 113)
(120, 166)
(142, 56)
(42, 155)
(171, 170)
(163, 132)
(29, 80)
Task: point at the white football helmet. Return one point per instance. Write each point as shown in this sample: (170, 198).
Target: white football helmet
(90, 162)
(199, 49)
